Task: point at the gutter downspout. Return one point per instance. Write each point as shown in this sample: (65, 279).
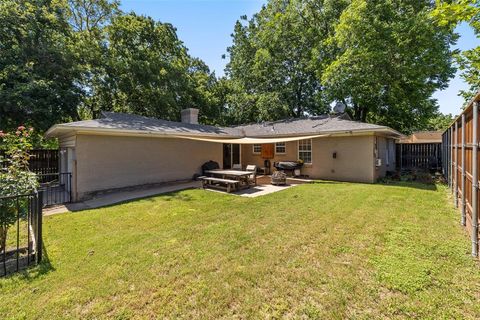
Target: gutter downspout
(475, 182)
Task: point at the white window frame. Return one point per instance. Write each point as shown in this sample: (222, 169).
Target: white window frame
(256, 145)
(311, 150)
(284, 147)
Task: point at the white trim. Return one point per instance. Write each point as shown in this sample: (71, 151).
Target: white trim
(311, 151)
(284, 146)
(231, 154)
(253, 148)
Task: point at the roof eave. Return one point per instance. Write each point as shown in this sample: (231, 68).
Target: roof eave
(59, 129)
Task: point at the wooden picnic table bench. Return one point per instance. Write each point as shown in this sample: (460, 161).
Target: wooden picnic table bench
(220, 182)
(237, 175)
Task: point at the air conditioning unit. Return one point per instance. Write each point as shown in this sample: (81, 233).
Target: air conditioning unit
(378, 162)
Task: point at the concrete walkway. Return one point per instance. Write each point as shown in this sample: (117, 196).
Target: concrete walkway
(120, 196)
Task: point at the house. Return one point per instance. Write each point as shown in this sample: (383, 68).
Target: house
(122, 150)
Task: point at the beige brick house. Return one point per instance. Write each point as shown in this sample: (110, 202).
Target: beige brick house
(122, 150)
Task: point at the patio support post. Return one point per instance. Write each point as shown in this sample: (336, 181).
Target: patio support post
(464, 203)
(455, 173)
(475, 182)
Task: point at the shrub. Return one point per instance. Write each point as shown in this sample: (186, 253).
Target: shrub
(15, 178)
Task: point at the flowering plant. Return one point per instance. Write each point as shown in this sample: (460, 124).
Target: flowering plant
(15, 178)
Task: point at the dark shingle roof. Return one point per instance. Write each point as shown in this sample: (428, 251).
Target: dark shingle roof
(312, 125)
(290, 127)
(123, 121)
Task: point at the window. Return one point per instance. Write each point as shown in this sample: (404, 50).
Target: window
(280, 147)
(305, 150)
(257, 148)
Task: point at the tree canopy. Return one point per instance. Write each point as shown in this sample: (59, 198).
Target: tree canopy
(277, 58)
(392, 59)
(38, 71)
(450, 14)
(68, 60)
(65, 60)
(383, 59)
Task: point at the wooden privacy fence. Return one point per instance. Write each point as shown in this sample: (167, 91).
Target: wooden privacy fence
(460, 166)
(42, 161)
(426, 156)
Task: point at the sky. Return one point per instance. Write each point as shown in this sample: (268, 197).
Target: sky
(205, 26)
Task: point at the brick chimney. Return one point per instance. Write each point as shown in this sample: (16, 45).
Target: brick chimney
(190, 115)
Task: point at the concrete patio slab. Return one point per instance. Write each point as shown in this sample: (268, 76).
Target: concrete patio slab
(121, 196)
(265, 187)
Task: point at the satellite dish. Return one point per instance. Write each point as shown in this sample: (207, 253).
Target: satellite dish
(339, 108)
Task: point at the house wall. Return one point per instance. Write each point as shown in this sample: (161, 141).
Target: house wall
(108, 162)
(384, 143)
(354, 162)
(249, 158)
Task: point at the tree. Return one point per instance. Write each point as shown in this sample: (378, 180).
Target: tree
(392, 59)
(89, 19)
(38, 71)
(149, 72)
(276, 59)
(450, 14)
(440, 122)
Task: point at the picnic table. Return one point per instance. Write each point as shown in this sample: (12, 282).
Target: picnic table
(241, 176)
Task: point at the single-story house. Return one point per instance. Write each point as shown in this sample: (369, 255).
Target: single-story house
(123, 150)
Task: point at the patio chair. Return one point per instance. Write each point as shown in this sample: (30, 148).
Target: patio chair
(253, 177)
(237, 166)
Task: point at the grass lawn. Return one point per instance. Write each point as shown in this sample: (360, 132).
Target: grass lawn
(325, 250)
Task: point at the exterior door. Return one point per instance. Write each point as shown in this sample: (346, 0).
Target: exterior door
(227, 156)
(231, 155)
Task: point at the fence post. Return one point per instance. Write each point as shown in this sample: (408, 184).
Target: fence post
(475, 182)
(451, 158)
(464, 204)
(39, 243)
(455, 173)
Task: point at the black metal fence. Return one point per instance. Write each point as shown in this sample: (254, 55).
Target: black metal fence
(423, 156)
(21, 228)
(57, 188)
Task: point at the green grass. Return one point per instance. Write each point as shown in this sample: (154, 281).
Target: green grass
(325, 250)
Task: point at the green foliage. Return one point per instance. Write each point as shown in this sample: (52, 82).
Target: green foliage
(276, 59)
(392, 59)
(37, 67)
(440, 122)
(450, 14)
(15, 178)
(69, 60)
(149, 72)
(383, 59)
